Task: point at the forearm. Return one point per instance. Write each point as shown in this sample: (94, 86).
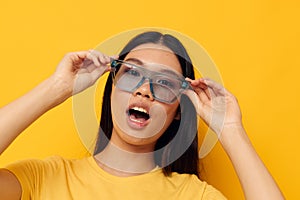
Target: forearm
(256, 181)
(18, 115)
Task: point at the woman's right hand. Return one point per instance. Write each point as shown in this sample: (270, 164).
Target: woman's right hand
(80, 70)
(76, 72)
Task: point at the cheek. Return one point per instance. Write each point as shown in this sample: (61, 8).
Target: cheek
(172, 110)
(170, 114)
(119, 102)
(119, 98)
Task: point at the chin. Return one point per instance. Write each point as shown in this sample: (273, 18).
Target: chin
(135, 140)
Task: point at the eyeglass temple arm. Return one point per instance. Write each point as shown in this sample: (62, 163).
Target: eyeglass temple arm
(114, 62)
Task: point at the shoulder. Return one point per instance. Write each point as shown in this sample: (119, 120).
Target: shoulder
(193, 185)
(53, 161)
(38, 177)
(45, 167)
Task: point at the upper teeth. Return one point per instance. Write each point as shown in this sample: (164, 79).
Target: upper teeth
(140, 109)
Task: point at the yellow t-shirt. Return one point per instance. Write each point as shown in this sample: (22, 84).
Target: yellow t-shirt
(59, 178)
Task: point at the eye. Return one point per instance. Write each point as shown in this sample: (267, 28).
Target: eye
(132, 72)
(165, 82)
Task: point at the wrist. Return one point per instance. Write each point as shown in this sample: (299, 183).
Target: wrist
(232, 135)
(56, 90)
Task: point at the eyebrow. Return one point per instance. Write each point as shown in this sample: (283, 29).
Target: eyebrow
(171, 73)
(135, 60)
(166, 71)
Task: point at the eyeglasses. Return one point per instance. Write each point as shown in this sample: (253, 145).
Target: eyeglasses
(165, 86)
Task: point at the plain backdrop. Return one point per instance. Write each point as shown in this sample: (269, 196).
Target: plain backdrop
(255, 45)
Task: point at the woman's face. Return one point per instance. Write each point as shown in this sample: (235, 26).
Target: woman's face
(139, 118)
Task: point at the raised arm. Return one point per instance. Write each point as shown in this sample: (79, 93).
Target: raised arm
(220, 110)
(76, 72)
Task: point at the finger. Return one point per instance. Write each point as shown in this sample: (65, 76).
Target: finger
(102, 58)
(91, 68)
(105, 61)
(97, 73)
(206, 91)
(105, 68)
(216, 87)
(76, 58)
(197, 83)
(211, 93)
(94, 58)
(114, 57)
(82, 54)
(204, 96)
(107, 58)
(87, 63)
(203, 85)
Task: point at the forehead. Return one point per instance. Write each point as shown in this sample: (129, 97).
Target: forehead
(155, 53)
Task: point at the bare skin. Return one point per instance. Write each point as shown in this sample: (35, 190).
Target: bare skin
(257, 183)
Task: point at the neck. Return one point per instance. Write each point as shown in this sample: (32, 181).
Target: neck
(120, 162)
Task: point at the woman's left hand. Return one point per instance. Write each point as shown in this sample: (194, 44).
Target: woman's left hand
(214, 104)
(221, 111)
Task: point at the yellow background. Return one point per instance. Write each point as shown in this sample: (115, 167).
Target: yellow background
(255, 45)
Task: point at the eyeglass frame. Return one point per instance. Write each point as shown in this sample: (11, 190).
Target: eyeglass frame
(184, 84)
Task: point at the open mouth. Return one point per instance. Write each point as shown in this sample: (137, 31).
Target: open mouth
(138, 116)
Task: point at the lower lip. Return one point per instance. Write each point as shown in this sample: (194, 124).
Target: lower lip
(136, 124)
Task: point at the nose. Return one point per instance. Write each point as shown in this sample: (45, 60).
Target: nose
(144, 91)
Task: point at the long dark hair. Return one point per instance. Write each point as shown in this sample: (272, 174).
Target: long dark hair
(181, 152)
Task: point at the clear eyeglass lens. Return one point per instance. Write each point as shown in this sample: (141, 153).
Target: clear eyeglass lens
(164, 87)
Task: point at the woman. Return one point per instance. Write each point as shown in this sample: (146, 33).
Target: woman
(147, 144)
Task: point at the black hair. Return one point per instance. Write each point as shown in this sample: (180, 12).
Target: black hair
(181, 152)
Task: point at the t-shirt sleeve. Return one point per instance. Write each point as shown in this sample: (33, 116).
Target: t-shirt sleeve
(31, 175)
(207, 191)
(212, 193)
